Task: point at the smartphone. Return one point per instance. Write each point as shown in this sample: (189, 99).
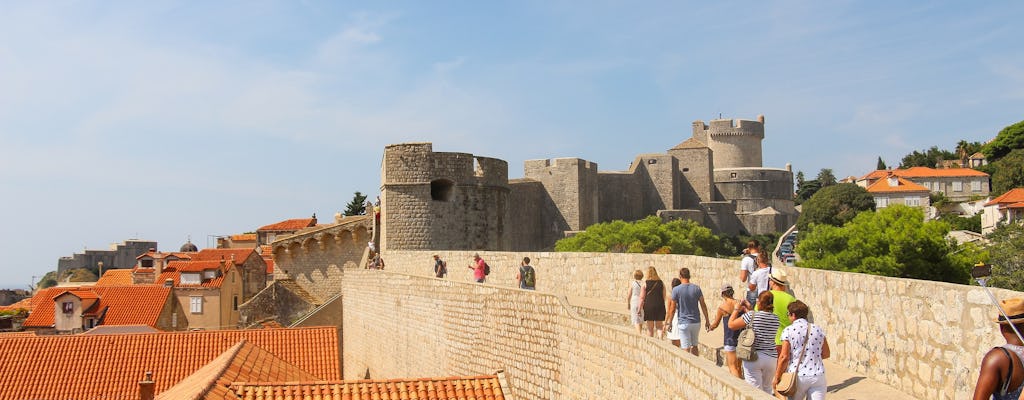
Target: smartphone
(981, 270)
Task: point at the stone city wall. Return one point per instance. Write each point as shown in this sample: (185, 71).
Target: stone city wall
(924, 338)
(314, 259)
(404, 326)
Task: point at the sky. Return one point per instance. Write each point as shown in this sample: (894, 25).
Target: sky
(166, 120)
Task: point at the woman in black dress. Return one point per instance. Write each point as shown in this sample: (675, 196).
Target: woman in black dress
(652, 300)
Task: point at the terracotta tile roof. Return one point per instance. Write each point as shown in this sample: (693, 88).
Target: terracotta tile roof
(157, 254)
(24, 303)
(463, 388)
(125, 305)
(290, 225)
(1016, 205)
(244, 237)
(120, 330)
(243, 362)
(195, 266)
(223, 254)
(110, 366)
(924, 172)
(904, 186)
(115, 277)
(1015, 195)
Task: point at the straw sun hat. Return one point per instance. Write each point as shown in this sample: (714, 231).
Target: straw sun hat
(1014, 308)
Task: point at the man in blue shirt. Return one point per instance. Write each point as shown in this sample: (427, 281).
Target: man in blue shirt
(684, 302)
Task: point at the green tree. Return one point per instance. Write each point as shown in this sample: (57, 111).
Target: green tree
(1005, 253)
(1007, 172)
(1009, 139)
(881, 164)
(826, 177)
(357, 206)
(648, 235)
(48, 280)
(835, 205)
(894, 241)
(929, 158)
(958, 223)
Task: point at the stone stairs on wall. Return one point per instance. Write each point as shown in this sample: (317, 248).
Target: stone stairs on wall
(843, 383)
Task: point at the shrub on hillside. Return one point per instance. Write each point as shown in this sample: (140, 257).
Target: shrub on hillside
(835, 205)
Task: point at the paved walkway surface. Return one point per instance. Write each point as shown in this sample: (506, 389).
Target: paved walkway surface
(843, 383)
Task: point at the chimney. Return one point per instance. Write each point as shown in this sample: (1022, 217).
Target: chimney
(147, 388)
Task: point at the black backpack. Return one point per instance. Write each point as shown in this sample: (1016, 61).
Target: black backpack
(487, 269)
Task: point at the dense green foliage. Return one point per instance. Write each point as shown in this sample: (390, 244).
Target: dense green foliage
(806, 189)
(881, 164)
(958, 223)
(1009, 139)
(835, 205)
(894, 241)
(826, 177)
(928, 158)
(1006, 251)
(357, 206)
(1007, 172)
(648, 235)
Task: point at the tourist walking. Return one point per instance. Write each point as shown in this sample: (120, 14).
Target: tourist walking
(652, 300)
(636, 313)
(761, 371)
(748, 264)
(804, 347)
(759, 279)
(1002, 373)
(527, 276)
(684, 302)
(730, 337)
(479, 268)
(440, 267)
(778, 282)
(672, 328)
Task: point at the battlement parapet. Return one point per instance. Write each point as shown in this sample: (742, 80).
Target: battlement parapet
(730, 127)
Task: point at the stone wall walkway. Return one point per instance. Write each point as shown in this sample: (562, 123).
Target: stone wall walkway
(842, 382)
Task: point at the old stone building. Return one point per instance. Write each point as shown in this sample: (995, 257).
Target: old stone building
(441, 200)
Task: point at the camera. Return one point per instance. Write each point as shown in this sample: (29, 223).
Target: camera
(981, 270)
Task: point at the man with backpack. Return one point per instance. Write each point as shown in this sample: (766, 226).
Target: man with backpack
(440, 267)
(527, 276)
(480, 269)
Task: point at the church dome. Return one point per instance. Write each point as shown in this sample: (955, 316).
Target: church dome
(188, 247)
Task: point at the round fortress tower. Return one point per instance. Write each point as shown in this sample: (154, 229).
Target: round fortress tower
(734, 143)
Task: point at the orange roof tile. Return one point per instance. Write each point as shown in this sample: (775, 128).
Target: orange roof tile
(1015, 195)
(243, 362)
(195, 266)
(110, 366)
(23, 304)
(468, 388)
(244, 237)
(115, 277)
(903, 186)
(125, 305)
(290, 225)
(270, 264)
(924, 172)
(240, 255)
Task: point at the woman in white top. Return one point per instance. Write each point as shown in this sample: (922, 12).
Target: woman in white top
(673, 328)
(798, 338)
(636, 314)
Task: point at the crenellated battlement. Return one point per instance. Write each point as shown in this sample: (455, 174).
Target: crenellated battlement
(730, 127)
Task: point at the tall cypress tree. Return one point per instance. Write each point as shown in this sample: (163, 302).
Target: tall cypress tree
(357, 206)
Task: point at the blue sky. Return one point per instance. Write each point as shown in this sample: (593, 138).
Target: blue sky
(164, 120)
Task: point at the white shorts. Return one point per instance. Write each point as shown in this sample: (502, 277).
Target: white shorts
(688, 335)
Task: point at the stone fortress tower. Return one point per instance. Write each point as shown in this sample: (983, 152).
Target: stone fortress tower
(457, 201)
(442, 201)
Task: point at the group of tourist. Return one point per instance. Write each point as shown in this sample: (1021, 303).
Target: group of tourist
(526, 277)
(784, 340)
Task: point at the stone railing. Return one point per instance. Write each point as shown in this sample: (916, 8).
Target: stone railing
(924, 338)
(397, 325)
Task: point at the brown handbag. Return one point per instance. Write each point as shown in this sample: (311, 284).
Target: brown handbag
(787, 382)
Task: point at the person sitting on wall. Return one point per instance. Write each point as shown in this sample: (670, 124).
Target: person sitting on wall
(478, 268)
(1002, 373)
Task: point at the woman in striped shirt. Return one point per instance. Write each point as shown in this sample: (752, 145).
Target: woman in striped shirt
(765, 324)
